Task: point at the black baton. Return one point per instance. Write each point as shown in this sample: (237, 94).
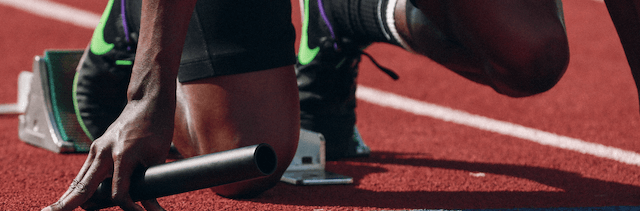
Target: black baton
(191, 174)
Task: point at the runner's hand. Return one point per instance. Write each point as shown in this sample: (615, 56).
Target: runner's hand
(139, 137)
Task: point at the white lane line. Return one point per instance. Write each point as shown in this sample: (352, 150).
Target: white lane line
(56, 11)
(394, 101)
(90, 20)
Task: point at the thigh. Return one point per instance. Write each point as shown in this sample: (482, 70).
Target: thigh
(231, 37)
(228, 112)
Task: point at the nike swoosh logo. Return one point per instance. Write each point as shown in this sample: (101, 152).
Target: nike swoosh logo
(306, 54)
(98, 45)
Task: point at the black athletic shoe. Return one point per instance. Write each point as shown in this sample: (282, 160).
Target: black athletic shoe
(326, 70)
(327, 100)
(326, 82)
(102, 77)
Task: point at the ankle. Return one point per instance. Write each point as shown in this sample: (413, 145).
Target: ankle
(363, 21)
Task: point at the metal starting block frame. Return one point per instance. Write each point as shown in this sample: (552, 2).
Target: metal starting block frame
(49, 120)
(307, 167)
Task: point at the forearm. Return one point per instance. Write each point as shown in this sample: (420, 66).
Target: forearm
(163, 29)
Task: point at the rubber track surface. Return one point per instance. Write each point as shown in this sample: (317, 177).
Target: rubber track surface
(417, 162)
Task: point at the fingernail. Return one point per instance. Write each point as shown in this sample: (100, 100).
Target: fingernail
(46, 209)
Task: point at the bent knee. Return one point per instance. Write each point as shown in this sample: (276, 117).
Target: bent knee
(533, 69)
(285, 149)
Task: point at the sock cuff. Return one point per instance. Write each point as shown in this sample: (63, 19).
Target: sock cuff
(391, 25)
(366, 21)
(381, 17)
(371, 16)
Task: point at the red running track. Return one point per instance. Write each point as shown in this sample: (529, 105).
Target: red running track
(417, 162)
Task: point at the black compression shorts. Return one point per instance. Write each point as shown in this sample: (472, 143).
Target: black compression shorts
(231, 37)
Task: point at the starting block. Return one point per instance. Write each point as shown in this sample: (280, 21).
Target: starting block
(49, 120)
(307, 167)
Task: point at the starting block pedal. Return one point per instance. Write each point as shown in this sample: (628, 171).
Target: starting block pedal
(307, 167)
(49, 120)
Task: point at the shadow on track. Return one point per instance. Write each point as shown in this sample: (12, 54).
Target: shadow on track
(578, 191)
